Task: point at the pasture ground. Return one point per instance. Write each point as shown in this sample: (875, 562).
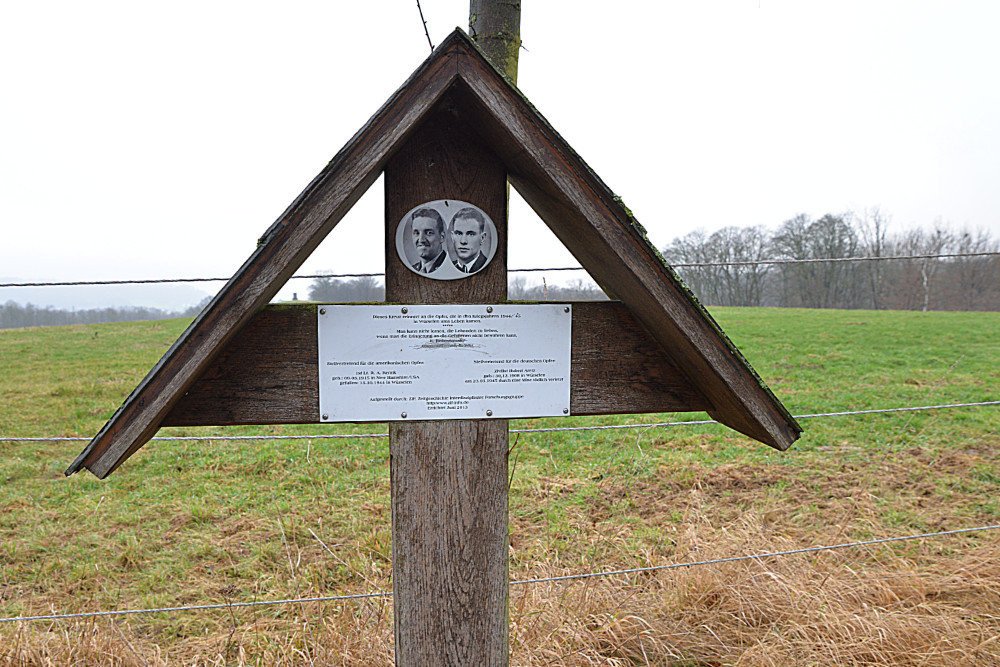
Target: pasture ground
(192, 522)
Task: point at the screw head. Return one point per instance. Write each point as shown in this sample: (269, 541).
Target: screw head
(404, 310)
(489, 413)
(325, 416)
(565, 411)
(403, 415)
(489, 309)
(322, 311)
(566, 309)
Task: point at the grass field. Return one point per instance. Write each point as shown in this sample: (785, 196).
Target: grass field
(198, 522)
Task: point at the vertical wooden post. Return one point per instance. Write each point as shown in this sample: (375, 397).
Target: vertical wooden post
(495, 25)
(449, 478)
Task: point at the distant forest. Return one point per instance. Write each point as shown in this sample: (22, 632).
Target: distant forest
(954, 283)
(13, 315)
(336, 290)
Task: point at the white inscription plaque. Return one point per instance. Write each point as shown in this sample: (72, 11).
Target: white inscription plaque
(392, 363)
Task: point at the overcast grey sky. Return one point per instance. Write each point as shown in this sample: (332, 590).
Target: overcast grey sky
(146, 140)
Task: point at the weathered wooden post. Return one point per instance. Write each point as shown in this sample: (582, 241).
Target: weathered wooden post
(447, 360)
(449, 478)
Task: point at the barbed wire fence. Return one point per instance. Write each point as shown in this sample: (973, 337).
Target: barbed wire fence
(520, 582)
(524, 582)
(678, 265)
(555, 429)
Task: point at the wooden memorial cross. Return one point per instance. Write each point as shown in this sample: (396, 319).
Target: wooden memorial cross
(448, 478)
(453, 135)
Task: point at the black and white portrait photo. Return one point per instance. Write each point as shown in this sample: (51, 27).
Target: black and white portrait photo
(446, 239)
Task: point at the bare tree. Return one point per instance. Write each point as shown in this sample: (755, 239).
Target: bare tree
(723, 280)
(911, 282)
(359, 290)
(925, 283)
(873, 227)
(971, 283)
(820, 284)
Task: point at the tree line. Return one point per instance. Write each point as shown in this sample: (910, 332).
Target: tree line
(955, 283)
(14, 315)
(369, 289)
(325, 289)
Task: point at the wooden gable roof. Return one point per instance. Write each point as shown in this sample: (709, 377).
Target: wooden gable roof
(579, 208)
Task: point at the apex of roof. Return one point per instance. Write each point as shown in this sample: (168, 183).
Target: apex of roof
(579, 208)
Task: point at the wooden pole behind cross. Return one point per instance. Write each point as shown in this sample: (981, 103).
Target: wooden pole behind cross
(448, 478)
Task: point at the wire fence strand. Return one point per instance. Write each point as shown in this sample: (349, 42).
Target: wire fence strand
(770, 554)
(761, 262)
(822, 260)
(521, 582)
(556, 429)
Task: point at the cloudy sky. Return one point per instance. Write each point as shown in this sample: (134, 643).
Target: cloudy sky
(151, 140)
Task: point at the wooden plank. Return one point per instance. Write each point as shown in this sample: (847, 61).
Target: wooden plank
(618, 368)
(282, 249)
(268, 373)
(578, 207)
(449, 542)
(448, 478)
(586, 216)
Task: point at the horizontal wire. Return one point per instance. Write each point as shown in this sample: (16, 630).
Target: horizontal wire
(885, 410)
(197, 607)
(559, 268)
(770, 554)
(149, 281)
(712, 421)
(557, 429)
(520, 582)
(819, 260)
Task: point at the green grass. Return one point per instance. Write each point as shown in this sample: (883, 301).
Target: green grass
(201, 522)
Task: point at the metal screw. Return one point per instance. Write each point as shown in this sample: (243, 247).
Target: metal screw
(489, 309)
(326, 416)
(403, 415)
(565, 411)
(566, 309)
(322, 311)
(404, 312)
(489, 413)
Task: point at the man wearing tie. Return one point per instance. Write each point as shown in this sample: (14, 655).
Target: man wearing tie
(428, 238)
(468, 232)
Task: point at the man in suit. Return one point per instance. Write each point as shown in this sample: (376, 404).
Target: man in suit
(468, 233)
(428, 238)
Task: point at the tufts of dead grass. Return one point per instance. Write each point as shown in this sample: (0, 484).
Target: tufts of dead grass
(354, 635)
(869, 607)
(897, 604)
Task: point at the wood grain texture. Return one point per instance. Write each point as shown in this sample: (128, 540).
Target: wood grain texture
(449, 479)
(268, 373)
(496, 27)
(449, 542)
(444, 134)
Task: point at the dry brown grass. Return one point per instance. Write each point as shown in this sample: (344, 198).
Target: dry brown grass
(192, 524)
(834, 608)
(923, 603)
(886, 605)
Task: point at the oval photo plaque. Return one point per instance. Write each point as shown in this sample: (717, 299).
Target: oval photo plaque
(446, 239)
